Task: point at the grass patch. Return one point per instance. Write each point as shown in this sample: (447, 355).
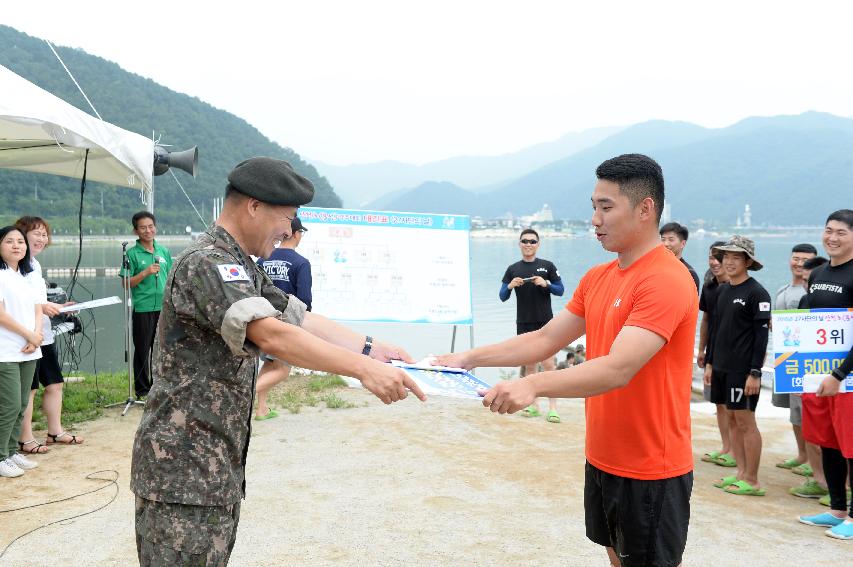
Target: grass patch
(299, 391)
(84, 401)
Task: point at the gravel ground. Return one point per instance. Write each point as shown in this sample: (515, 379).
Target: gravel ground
(440, 483)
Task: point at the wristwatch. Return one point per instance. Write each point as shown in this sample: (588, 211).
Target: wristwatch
(755, 373)
(838, 375)
(368, 345)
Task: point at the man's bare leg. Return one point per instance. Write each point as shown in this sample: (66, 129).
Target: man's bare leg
(723, 426)
(272, 373)
(751, 443)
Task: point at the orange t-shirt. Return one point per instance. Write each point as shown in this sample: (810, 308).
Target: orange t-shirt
(642, 430)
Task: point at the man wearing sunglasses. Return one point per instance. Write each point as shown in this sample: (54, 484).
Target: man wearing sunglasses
(534, 280)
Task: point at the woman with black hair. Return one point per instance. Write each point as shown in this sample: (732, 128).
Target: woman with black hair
(48, 370)
(20, 339)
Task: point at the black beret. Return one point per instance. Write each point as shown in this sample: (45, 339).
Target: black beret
(272, 181)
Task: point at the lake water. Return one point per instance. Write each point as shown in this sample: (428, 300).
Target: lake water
(493, 320)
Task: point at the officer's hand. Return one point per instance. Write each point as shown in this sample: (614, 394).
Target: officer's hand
(709, 370)
(540, 281)
(386, 352)
(390, 384)
(829, 386)
(455, 360)
(515, 283)
(509, 396)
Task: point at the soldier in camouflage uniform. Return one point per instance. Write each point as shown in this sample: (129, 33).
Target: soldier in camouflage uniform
(219, 311)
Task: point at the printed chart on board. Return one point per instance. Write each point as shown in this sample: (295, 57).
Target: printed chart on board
(387, 266)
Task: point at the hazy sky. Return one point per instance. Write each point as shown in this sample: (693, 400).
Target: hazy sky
(346, 82)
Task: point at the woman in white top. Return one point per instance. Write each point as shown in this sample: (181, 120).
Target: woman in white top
(48, 370)
(20, 339)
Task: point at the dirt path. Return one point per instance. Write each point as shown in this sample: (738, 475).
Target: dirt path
(442, 483)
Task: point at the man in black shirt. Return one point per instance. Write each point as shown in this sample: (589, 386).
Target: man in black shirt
(827, 416)
(734, 367)
(674, 238)
(707, 305)
(534, 280)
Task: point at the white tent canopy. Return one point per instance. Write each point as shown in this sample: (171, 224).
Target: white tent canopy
(42, 133)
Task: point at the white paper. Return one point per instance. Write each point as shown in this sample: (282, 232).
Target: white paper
(90, 304)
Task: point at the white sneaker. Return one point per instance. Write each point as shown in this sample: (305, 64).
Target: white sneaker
(9, 469)
(23, 462)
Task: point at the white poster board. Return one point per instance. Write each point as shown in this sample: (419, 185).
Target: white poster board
(809, 343)
(384, 266)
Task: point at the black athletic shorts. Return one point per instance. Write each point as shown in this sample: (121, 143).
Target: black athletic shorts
(644, 521)
(727, 388)
(47, 368)
(521, 328)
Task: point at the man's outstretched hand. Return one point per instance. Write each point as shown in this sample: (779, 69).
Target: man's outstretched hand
(509, 396)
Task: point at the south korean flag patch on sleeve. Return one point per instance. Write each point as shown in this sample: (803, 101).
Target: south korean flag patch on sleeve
(764, 306)
(233, 273)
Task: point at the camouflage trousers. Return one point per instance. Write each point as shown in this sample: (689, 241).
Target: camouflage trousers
(185, 535)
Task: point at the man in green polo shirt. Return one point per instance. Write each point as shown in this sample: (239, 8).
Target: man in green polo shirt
(149, 265)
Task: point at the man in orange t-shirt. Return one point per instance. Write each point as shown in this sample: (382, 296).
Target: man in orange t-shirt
(639, 315)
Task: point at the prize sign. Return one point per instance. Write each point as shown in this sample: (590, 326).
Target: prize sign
(809, 341)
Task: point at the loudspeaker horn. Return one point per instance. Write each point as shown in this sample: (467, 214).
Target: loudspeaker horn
(186, 160)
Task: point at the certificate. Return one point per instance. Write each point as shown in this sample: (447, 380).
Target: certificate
(809, 342)
(444, 381)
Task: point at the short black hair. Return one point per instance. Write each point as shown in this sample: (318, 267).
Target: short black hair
(679, 229)
(25, 266)
(637, 176)
(813, 263)
(528, 231)
(717, 243)
(143, 215)
(841, 215)
(804, 248)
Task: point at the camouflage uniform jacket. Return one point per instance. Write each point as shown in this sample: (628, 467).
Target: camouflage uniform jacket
(192, 442)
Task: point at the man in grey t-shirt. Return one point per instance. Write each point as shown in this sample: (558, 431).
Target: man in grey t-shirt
(788, 297)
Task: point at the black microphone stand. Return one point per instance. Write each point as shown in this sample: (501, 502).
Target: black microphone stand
(128, 342)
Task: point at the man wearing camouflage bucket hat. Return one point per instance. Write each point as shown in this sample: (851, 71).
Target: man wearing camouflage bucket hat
(733, 363)
(219, 311)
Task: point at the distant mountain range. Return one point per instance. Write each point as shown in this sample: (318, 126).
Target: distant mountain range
(359, 184)
(789, 169)
(139, 105)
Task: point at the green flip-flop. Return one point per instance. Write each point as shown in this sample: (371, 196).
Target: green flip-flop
(743, 488)
(725, 481)
(711, 457)
(553, 417)
(803, 470)
(725, 460)
(531, 411)
(269, 415)
(789, 463)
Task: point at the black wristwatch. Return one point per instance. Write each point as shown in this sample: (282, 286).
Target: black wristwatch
(755, 373)
(368, 345)
(838, 375)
